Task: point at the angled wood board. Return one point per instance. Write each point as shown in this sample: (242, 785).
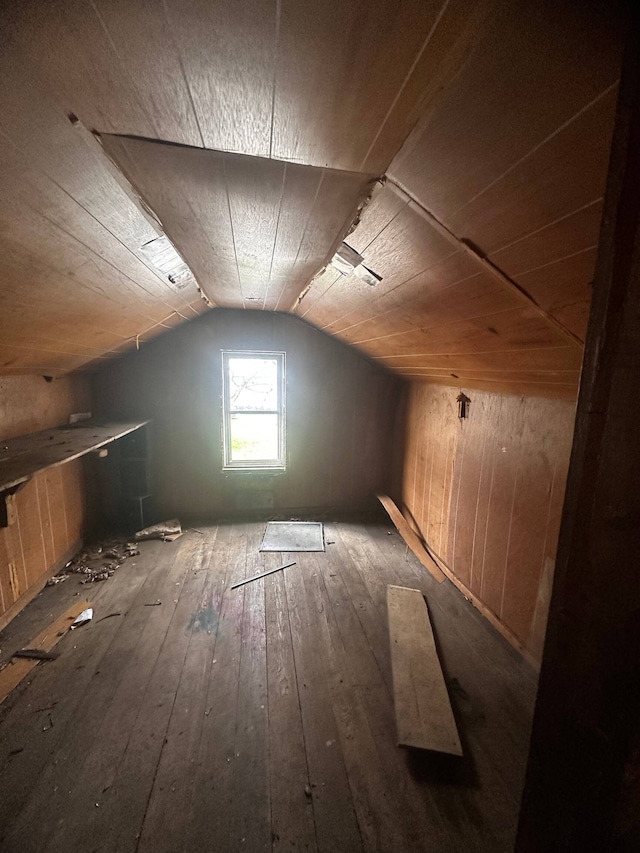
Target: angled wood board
(424, 717)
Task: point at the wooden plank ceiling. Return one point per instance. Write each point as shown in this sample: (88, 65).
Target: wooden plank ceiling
(254, 230)
(491, 120)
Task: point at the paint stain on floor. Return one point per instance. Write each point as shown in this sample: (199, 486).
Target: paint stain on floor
(206, 619)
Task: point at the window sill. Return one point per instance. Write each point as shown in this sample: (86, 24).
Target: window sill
(274, 469)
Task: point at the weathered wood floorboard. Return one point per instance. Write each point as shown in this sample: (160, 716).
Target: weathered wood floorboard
(260, 718)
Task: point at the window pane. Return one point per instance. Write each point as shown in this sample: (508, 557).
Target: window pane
(254, 437)
(253, 384)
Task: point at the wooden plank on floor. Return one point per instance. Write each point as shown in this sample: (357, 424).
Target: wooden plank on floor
(493, 701)
(399, 813)
(158, 716)
(439, 795)
(423, 711)
(13, 674)
(84, 765)
(292, 822)
(250, 828)
(68, 690)
(410, 537)
(167, 817)
(333, 809)
(118, 823)
(214, 755)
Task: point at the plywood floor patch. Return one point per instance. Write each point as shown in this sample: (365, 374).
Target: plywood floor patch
(13, 674)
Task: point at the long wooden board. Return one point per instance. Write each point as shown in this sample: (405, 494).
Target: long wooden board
(424, 718)
(410, 537)
(13, 674)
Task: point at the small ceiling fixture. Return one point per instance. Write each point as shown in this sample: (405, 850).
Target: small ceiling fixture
(347, 261)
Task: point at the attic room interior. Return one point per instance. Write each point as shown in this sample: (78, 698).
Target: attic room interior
(368, 265)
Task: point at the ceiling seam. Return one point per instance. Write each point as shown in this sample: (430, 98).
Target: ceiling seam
(89, 248)
(415, 329)
(404, 82)
(275, 237)
(113, 47)
(552, 371)
(233, 236)
(311, 307)
(275, 74)
(397, 308)
(182, 69)
(139, 198)
(559, 260)
(492, 381)
(304, 233)
(475, 352)
(487, 264)
(548, 225)
(402, 284)
(537, 147)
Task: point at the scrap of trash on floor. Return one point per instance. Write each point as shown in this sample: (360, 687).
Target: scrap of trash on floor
(97, 563)
(168, 531)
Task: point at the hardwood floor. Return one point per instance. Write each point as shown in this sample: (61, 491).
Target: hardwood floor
(259, 718)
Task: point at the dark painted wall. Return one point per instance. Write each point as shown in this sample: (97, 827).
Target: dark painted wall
(340, 409)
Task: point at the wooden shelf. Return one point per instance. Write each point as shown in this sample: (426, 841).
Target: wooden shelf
(23, 457)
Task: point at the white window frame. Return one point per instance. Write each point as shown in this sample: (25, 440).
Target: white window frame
(229, 464)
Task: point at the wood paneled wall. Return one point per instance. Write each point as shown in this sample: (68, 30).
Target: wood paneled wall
(486, 495)
(340, 410)
(51, 508)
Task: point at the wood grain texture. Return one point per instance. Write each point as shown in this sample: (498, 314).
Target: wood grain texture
(34, 590)
(423, 711)
(289, 80)
(504, 75)
(13, 674)
(253, 230)
(481, 110)
(582, 770)
(25, 456)
(73, 271)
(50, 519)
(486, 495)
(524, 201)
(575, 180)
(347, 94)
(410, 537)
(178, 691)
(439, 302)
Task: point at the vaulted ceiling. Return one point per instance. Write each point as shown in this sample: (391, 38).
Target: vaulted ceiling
(253, 135)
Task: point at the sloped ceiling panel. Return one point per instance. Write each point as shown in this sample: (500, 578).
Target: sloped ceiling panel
(486, 233)
(254, 231)
(74, 284)
(505, 109)
(313, 82)
(302, 82)
(438, 313)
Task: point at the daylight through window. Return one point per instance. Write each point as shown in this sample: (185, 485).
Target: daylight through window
(253, 401)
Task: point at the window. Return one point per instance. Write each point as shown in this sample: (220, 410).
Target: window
(253, 409)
